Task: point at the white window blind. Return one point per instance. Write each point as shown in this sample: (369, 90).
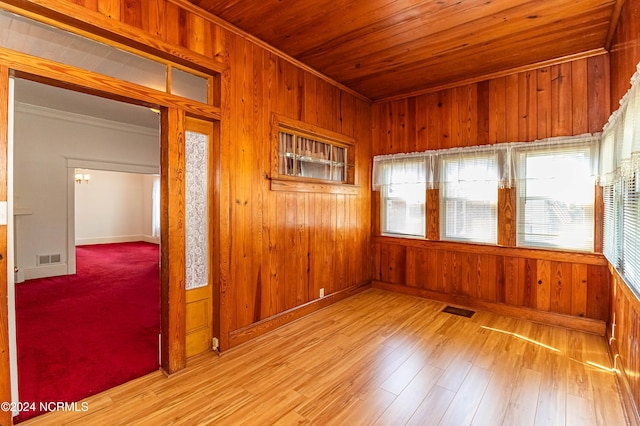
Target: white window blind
(402, 180)
(556, 197)
(403, 209)
(631, 229)
(469, 197)
(620, 179)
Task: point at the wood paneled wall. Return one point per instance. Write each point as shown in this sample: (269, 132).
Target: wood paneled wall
(625, 50)
(624, 338)
(560, 100)
(499, 278)
(625, 305)
(277, 248)
(286, 246)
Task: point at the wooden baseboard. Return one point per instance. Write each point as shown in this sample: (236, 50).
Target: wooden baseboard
(624, 388)
(576, 323)
(259, 328)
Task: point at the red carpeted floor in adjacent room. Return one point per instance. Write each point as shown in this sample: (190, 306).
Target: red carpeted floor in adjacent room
(78, 335)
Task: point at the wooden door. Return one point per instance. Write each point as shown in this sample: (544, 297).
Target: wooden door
(198, 220)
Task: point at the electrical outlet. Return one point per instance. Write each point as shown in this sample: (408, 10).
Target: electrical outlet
(322, 292)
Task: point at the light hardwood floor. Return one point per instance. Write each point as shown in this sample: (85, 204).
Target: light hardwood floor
(379, 358)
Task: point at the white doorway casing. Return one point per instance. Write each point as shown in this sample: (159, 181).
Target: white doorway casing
(11, 276)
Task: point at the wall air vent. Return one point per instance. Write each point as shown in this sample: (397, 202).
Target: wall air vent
(48, 259)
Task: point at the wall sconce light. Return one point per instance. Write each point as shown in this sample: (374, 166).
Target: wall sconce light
(80, 177)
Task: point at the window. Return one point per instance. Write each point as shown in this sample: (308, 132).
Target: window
(307, 158)
(630, 231)
(553, 181)
(556, 196)
(469, 197)
(403, 209)
(302, 156)
(402, 181)
(620, 181)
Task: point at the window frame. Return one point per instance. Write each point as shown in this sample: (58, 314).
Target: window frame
(384, 199)
(460, 157)
(521, 186)
(284, 182)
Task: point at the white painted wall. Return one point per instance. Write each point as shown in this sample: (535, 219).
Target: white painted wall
(113, 207)
(45, 140)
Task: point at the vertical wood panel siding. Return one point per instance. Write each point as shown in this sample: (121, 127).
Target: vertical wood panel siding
(624, 338)
(560, 100)
(286, 246)
(567, 287)
(625, 50)
(277, 249)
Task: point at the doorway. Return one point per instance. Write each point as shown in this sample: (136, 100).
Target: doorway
(57, 131)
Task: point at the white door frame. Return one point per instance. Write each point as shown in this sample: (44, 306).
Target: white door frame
(11, 293)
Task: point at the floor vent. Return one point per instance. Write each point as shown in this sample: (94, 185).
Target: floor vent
(458, 311)
(48, 259)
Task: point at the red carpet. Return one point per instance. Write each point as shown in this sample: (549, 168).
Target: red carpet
(79, 335)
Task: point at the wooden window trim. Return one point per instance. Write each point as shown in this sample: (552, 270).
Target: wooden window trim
(299, 184)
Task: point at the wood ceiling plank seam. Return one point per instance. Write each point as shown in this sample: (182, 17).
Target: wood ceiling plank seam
(281, 29)
(487, 51)
(361, 35)
(496, 31)
(463, 56)
(375, 27)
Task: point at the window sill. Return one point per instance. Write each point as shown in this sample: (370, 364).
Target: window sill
(407, 236)
(291, 185)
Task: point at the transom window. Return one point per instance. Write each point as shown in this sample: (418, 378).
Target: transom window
(302, 156)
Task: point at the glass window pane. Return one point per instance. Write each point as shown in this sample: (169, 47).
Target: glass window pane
(631, 229)
(556, 195)
(189, 85)
(309, 158)
(403, 209)
(285, 154)
(469, 198)
(196, 209)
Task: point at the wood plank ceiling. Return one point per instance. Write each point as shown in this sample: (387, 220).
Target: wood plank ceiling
(387, 48)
